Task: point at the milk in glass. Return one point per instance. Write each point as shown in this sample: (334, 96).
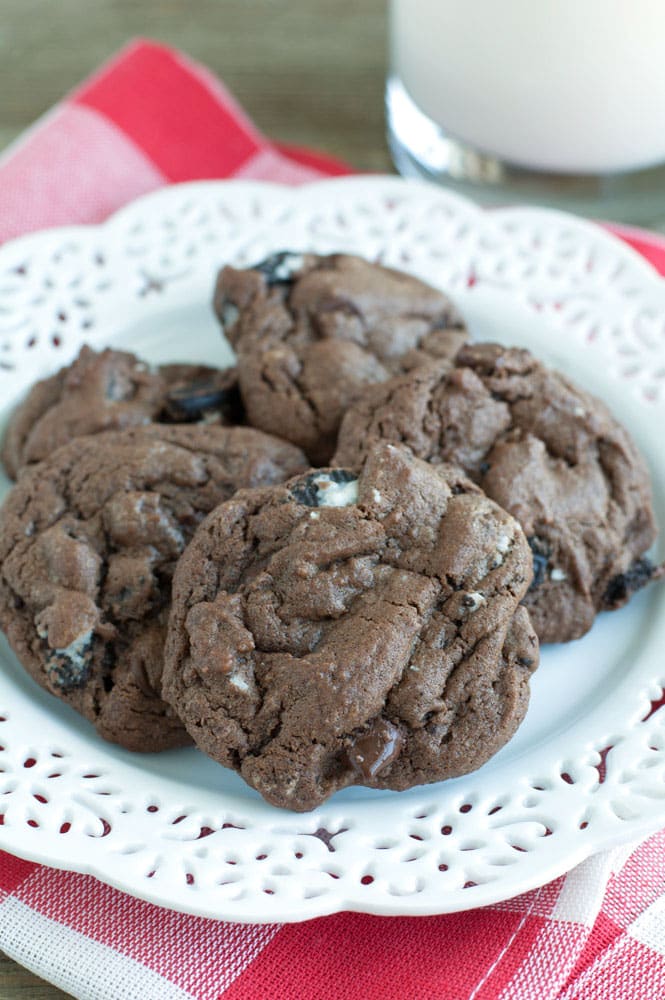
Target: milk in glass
(572, 86)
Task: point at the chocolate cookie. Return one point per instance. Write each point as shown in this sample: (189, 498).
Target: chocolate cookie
(547, 452)
(112, 390)
(310, 332)
(343, 629)
(88, 542)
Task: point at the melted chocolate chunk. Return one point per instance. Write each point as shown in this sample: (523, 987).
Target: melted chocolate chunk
(309, 490)
(623, 585)
(190, 402)
(541, 553)
(373, 752)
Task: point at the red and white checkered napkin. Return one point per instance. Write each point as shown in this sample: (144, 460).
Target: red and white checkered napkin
(148, 118)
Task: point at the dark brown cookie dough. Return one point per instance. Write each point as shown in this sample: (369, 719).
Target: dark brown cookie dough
(310, 332)
(547, 452)
(88, 542)
(339, 630)
(112, 390)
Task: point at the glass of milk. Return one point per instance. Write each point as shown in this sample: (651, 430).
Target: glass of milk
(561, 101)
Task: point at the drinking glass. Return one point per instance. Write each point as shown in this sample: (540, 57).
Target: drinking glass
(556, 101)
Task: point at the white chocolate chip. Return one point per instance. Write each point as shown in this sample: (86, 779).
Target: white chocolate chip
(230, 314)
(376, 496)
(502, 547)
(472, 601)
(314, 514)
(332, 494)
(503, 544)
(239, 682)
(74, 653)
(558, 575)
(289, 265)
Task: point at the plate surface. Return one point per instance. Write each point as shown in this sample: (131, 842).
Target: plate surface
(182, 832)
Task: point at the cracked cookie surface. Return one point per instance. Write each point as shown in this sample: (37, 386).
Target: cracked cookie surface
(89, 539)
(113, 390)
(546, 451)
(350, 628)
(311, 331)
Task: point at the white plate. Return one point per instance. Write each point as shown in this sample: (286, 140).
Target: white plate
(177, 829)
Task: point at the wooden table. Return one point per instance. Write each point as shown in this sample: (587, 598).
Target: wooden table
(309, 72)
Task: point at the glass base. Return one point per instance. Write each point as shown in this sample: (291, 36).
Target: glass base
(421, 148)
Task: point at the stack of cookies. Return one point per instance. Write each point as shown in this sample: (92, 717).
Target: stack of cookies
(331, 565)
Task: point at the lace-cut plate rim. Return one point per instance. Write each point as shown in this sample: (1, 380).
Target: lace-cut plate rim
(585, 772)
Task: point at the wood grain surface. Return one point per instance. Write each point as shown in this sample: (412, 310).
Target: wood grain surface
(310, 72)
